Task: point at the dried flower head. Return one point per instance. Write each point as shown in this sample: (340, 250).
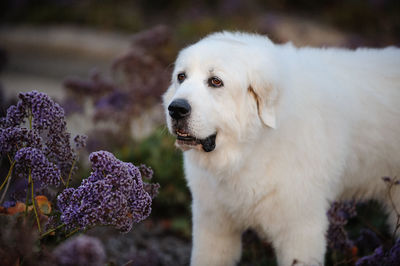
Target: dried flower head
(80, 251)
(13, 138)
(46, 130)
(42, 171)
(382, 257)
(112, 195)
(135, 83)
(146, 171)
(80, 141)
(338, 215)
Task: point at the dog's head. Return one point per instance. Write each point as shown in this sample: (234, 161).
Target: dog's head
(222, 92)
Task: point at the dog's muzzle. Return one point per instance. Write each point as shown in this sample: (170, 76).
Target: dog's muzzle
(179, 110)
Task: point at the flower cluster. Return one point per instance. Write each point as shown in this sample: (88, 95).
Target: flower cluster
(367, 240)
(138, 79)
(112, 195)
(382, 257)
(46, 130)
(41, 170)
(34, 139)
(13, 138)
(147, 173)
(80, 251)
(80, 141)
(338, 215)
(44, 111)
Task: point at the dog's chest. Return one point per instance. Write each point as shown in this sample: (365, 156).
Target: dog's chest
(240, 199)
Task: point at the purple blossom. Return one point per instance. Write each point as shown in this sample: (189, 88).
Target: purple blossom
(42, 171)
(381, 257)
(338, 215)
(15, 115)
(387, 179)
(112, 195)
(47, 129)
(80, 141)
(152, 189)
(146, 171)
(13, 138)
(368, 240)
(115, 100)
(71, 106)
(136, 82)
(372, 260)
(80, 251)
(96, 85)
(391, 181)
(9, 203)
(45, 112)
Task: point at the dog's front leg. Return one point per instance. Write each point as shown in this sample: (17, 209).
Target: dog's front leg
(216, 242)
(300, 236)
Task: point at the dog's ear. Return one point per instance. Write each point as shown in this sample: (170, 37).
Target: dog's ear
(265, 96)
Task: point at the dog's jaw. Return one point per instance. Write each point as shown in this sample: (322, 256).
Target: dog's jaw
(186, 141)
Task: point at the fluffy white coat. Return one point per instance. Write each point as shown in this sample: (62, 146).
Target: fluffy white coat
(297, 128)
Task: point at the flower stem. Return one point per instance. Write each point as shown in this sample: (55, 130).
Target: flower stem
(51, 231)
(33, 202)
(8, 175)
(9, 158)
(70, 173)
(390, 187)
(391, 199)
(72, 233)
(8, 179)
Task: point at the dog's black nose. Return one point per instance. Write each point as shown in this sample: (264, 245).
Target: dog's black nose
(179, 109)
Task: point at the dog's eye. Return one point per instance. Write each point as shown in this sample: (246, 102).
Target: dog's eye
(215, 82)
(181, 77)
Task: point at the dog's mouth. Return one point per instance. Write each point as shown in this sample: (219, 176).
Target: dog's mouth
(186, 141)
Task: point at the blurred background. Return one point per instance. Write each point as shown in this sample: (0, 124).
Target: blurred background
(108, 62)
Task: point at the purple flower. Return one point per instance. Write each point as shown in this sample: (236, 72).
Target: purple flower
(381, 257)
(115, 100)
(146, 171)
(152, 189)
(374, 259)
(15, 115)
(387, 179)
(42, 171)
(112, 195)
(9, 203)
(44, 111)
(13, 138)
(80, 251)
(47, 129)
(80, 141)
(338, 215)
(71, 106)
(368, 240)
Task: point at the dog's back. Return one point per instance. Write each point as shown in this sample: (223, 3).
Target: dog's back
(358, 94)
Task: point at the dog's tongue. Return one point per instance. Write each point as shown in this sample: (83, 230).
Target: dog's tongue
(208, 143)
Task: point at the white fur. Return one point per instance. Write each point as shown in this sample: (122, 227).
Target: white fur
(326, 127)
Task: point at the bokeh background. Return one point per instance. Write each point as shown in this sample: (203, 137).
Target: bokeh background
(108, 62)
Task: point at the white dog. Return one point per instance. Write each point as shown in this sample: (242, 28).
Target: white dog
(273, 134)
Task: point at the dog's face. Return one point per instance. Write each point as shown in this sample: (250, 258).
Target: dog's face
(213, 99)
